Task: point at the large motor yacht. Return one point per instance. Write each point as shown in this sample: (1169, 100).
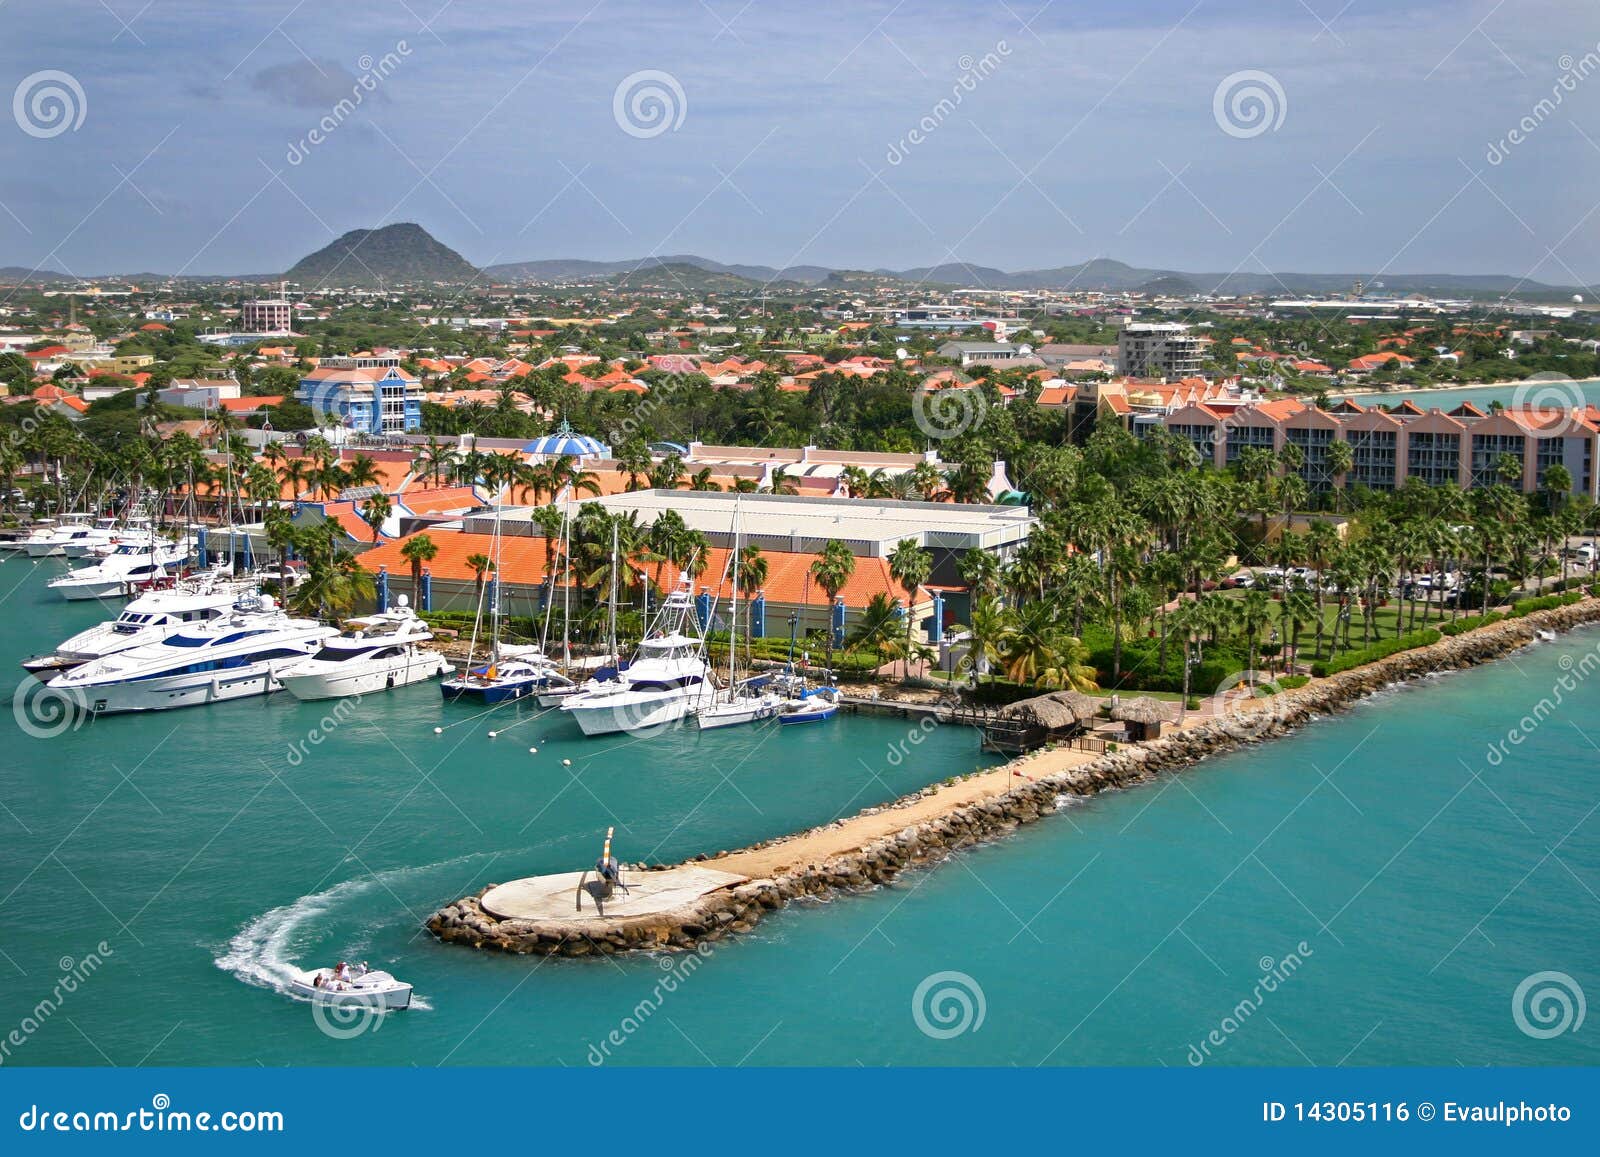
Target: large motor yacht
(233, 657)
(373, 653)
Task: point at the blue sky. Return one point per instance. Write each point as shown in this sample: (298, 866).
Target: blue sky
(1093, 133)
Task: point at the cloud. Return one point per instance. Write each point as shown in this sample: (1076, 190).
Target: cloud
(305, 83)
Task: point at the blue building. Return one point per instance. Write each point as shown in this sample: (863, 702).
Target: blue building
(378, 400)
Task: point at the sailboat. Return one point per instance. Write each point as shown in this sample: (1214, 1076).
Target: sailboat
(510, 672)
(804, 704)
(608, 675)
(746, 702)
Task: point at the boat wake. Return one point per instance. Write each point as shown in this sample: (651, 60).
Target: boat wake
(264, 951)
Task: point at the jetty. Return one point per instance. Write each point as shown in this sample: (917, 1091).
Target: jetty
(680, 907)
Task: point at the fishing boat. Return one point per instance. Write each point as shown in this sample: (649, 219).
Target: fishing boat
(740, 701)
(662, 684)
(510, 672)
(233, 657)
(149, 618)
(132, 564)
(373, 653)
(351, 987)
(47, 543)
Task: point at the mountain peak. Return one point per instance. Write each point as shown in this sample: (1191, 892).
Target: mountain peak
(390, 254)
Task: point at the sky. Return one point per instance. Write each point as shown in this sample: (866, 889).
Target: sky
(1200, 135)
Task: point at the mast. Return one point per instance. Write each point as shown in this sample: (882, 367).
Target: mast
(616, 654)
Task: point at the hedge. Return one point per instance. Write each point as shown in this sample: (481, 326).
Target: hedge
(1364, 655)
(1546, 603)
(1470, 623)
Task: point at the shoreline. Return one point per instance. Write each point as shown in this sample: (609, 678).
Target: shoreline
(873, 846)
(1445, 387)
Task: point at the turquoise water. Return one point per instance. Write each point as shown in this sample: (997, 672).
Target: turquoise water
(1122, 931)
(1543, 394)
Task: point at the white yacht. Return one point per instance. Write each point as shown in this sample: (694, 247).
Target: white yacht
(147, 619)
(45, 543)
(97, 539)
(661, 685)
(37, 531)
(132, 564)
(372, 653)
(233, 657)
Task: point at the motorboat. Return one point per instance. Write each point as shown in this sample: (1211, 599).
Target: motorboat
(238, 655)
(48, 542)
(99, 538)
(149, 618)
(663, 682)
(132, 564)
(351, 987)
(17, 541)
(504, 678)
(814, 707)
(373, 653)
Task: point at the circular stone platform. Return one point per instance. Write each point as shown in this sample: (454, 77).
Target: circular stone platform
(553, 898)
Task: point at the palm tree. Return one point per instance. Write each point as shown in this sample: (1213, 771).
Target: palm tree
(419, 550)
(362, 471)
(910, 566)
(1340, 458)
(751, 575)
(832, 569)
(375, 511)
(481, 565)
(633, 459)
(1255, 615)
(980, 570)
(989, 630)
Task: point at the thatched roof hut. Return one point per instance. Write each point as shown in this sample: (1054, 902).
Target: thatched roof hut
(1145, 715)
(1030, 723)
(1059, 710)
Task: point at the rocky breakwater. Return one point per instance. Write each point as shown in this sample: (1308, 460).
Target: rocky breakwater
(1031, 788)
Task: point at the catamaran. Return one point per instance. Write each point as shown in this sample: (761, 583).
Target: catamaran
(233, 657)
(373, 653)
(663, 682)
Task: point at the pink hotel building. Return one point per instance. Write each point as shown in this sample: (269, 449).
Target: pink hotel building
(1388, 446)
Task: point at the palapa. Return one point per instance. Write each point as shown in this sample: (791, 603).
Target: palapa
(1057, 711)
(1144, 710)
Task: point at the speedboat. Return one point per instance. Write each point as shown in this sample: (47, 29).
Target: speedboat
(46, 542)
(149, 618)
(233, 657)
(131, 564)
(818, 705)
(372, 653)
(661, 685)
(358, 987)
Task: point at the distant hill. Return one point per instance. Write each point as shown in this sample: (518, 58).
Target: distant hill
(693, 279)
(22, 275)
(394, 254)
(572, 269)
